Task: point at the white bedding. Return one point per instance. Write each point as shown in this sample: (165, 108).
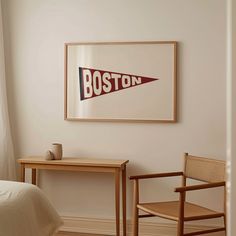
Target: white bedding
(25, 211)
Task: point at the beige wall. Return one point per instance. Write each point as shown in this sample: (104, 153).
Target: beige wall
(233, 209)
(35, 33)
(231, 112)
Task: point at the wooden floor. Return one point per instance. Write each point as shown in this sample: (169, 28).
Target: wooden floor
(82, 234)
(76, 234)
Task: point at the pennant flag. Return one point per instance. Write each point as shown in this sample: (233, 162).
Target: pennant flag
(95, 82)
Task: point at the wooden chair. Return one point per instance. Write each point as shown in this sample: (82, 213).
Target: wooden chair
(210, 171)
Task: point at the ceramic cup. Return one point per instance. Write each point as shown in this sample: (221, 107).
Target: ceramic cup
(49, 155)
(57, 151)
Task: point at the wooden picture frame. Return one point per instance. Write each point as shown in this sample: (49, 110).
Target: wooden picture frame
(121, 81)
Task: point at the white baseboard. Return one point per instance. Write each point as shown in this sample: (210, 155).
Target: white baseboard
(107, 227)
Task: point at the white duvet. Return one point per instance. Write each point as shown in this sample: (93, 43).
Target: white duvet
(25, 211)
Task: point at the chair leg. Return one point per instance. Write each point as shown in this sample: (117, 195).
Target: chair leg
(225, 224)
(180, 229)
(135, 208)
(135, 222)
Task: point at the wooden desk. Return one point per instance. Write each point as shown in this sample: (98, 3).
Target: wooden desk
(117, 167)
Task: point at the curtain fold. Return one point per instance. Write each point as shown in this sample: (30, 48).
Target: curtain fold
(7, 159)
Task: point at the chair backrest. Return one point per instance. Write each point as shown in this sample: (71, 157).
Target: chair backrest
(204, 169)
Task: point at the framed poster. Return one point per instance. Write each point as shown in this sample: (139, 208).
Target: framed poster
(121, 81)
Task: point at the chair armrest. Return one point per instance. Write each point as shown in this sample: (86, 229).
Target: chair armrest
(158, 175)
(199, 186)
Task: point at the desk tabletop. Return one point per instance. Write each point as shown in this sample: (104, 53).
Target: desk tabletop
(74, 161)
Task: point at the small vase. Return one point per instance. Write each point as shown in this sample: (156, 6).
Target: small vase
(57, 151)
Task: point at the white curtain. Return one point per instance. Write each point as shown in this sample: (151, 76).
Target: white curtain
(7, 159)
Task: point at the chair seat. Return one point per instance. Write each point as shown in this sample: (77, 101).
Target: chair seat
(170, 210)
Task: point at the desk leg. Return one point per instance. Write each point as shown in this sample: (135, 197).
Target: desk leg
(34, 176)
(124, 198)
(22, 173)
(117, 200)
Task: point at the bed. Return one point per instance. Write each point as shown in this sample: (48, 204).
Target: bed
(25, 211)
